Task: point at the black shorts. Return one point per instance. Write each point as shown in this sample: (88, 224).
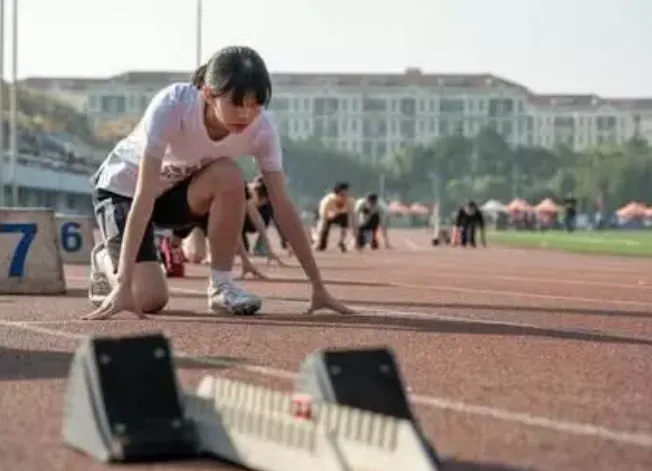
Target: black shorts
(341, 219)
(185, 231)
(171, 211)
(202, 224)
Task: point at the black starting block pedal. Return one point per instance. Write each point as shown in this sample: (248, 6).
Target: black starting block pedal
(366, 379)
(123, 404)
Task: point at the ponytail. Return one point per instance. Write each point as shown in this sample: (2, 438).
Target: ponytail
(199, 76)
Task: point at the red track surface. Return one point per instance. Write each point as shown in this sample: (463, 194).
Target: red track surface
(516, 359)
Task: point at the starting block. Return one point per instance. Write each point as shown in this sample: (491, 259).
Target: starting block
(362, 378)
(76, 238)
(365, 379)
(30, 260)
(123, 404)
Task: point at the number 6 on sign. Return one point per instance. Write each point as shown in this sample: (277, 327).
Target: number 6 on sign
(75, 237)
(28, 231)
(71, 239)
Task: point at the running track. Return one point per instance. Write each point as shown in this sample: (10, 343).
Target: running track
(515, 359)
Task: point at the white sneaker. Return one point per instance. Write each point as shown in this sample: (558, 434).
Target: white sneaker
(100, 286)
(232, 298)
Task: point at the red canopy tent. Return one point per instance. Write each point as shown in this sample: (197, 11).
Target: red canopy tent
(518, 205)
(398, 208)
(418, 209)
(547, 205)
(632, 210)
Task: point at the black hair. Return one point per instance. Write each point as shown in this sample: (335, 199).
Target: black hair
(236, 69)
(372, 198)
(339, 187)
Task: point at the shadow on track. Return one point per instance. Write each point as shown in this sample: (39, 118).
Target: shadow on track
(484, 307)
(458, 465)
(20, 364)
(403, 323)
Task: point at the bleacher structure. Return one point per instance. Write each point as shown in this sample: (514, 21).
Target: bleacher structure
(52, 170)
(56, 151)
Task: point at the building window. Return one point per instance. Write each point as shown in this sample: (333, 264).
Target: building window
(408, 107)
(374, 105)
(450, 105)
(280, 104)
(382, 148)
(113, 104)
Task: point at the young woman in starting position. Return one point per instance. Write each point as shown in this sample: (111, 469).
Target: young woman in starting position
(176, 170)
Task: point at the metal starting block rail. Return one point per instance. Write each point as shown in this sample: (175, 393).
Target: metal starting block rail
(263, 429)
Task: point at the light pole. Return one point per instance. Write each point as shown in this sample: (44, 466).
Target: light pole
(198, 32)
(3, 164)
(434, 185)
(436, 205)
(13, 105)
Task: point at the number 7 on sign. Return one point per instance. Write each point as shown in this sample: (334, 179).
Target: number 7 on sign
(17, 264)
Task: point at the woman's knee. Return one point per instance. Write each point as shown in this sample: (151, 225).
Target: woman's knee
(150, 288)
(150, 301)
(221, 179)
(222, 176)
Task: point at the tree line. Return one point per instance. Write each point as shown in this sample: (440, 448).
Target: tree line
(456, 168)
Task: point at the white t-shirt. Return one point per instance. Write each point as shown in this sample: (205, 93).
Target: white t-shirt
(173, 130)
(329, 208)
(380, 209)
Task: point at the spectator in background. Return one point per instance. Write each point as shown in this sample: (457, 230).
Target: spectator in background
(468, 220)
(570, 213)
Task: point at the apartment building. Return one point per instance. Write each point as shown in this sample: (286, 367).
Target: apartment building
(372, 115)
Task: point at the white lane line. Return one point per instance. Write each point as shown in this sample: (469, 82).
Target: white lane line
(520, 294)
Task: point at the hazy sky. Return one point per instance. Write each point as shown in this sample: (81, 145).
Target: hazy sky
(570, 46)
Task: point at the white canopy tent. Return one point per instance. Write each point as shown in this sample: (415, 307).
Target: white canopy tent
(493, 207)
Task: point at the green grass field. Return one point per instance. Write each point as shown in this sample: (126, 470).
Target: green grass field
(631, 243)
